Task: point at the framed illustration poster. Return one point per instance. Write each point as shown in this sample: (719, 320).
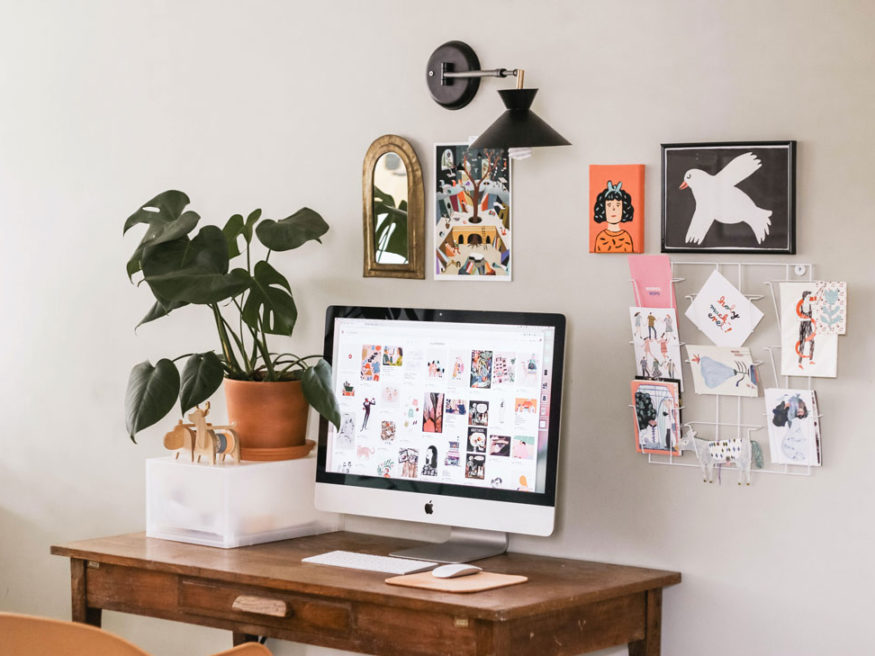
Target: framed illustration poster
(472, 234)
(735, 197)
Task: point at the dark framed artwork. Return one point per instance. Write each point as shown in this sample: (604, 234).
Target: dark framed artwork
(737, 197)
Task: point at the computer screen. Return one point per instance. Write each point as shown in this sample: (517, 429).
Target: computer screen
(443, 405)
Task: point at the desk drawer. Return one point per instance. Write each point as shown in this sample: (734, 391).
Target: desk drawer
(263, 607)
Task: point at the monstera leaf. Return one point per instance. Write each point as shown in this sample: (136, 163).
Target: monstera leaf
(316, 385)
(293, 231)
(390, 235)
(166, 220)
(151, 393)
(201, 377)
(270, 306)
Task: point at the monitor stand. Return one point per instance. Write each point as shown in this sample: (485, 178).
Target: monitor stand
(464, 545)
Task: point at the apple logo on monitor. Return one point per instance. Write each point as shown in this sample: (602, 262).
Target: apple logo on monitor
(429, 508)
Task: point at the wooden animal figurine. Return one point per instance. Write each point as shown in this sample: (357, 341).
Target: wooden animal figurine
(740, 451)
(181, 439)
(213, 441)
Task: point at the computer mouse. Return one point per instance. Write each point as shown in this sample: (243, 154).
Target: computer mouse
(453, 570)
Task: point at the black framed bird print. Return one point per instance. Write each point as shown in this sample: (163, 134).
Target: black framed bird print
(737, 197)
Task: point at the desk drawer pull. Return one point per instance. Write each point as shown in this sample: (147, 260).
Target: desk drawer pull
(261, 606)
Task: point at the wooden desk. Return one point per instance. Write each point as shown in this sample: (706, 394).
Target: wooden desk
(567, 607)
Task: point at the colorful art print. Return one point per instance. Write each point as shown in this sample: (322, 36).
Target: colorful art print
(724, 314)
(348, 389)
(657, 416)
(525, 406)
(393, 356)
(385, 468)
(371, 362)
(530, 368)
(523, 447)
(655, 341)
(455, 407)
(728, 370)
(458, 368)
(481, 369)
(478, 413)
(435, 369)
(429, 466)
(472, 233)
(503, 369)
(433, 413)
(805, 349)
(409, 460)
(477, 439)
(475, 466)
(735, 197)
(831, 307)
(367, 404)
(499, 445)
(452, 457)
(794, 429)
(616, 201)
(387, 431)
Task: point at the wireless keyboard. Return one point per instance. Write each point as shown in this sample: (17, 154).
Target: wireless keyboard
(370, 562)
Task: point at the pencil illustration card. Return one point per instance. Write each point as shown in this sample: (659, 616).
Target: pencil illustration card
(794, 428)
(655, 339)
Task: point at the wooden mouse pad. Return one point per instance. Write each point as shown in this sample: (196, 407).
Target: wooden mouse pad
(472, 583)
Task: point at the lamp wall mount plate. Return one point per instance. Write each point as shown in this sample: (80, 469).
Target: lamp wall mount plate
(453, 74)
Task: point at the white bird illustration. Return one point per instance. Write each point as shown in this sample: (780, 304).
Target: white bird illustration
(718, 199)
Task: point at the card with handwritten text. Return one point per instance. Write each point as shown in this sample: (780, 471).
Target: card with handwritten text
(722, 312)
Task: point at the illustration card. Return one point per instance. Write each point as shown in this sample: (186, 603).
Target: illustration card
(657, 416)
(794, 428)
(651, 280)
(724, 314)
(728, 370)
(472, 233)
(616, 201)
(806, 350)
(831, 307)
(655, 337)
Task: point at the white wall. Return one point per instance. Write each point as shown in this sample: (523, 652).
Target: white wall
(272, 104)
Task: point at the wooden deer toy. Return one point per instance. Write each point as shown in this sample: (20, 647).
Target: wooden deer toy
(212, 441)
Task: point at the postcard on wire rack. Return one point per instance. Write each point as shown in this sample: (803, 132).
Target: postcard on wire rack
(794, 427)
(657, 416)
(728, 370)
(831, 307)
(651, 280)
(655, 336)
(724, 314)
(805, 349)
(472, 229)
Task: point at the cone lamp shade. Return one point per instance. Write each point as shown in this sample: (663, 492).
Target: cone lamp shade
(519, 126)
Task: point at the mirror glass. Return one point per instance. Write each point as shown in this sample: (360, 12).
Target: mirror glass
(390, 210)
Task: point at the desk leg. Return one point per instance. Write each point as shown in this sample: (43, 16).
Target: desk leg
(650, 645)
(240, 638)
(81, 611)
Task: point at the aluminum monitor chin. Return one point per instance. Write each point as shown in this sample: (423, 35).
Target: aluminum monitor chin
(447, 417)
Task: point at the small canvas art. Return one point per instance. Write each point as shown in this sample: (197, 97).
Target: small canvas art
(651, 280)
(794, 428)
(616, 201)
(726, 370)
(472, 234)
(724, 314)
(831, 307)
(806, 350)
(729, 197)
(657, 416)
(655, 337)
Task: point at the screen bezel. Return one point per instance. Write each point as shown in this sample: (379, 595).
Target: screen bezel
(552, 320)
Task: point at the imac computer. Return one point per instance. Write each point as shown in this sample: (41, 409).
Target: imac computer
(447, 417)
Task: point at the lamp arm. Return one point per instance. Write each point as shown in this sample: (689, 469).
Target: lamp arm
(492, 72)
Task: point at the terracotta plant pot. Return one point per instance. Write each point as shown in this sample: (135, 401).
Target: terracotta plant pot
(270, 419)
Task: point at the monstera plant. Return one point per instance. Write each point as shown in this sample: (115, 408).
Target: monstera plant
(248, 303)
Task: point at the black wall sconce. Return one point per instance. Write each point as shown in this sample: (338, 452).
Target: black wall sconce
(453, 76)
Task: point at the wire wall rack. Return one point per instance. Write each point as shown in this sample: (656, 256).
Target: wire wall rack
(746, 417)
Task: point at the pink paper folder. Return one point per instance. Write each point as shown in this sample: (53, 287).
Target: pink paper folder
(651, 280)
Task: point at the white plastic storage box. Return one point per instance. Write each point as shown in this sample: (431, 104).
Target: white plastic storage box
(233, 505)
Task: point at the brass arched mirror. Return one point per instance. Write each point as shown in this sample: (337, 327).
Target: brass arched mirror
(394, 211)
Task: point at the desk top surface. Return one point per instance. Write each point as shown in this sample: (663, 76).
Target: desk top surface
(554, 583)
